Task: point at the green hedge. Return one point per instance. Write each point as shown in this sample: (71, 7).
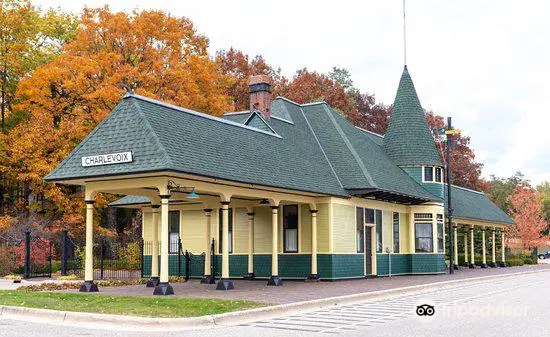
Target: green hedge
(514, 262)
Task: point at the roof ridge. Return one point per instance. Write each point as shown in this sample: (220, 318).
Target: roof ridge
(365, 130)
(468, 189)
(199, 114)
(298, 104)
(236, 113)
(321, 147)
(155, 136)
(350, 147)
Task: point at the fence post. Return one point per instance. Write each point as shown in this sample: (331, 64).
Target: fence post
(187, 264)
(64, 252)
(102, 243)
(179, 256)
(27, 254)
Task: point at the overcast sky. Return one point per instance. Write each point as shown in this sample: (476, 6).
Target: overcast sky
(485, 63)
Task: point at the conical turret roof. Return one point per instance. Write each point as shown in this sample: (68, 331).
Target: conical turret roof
(408, 140)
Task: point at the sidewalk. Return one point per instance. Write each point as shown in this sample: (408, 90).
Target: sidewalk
(298, 291)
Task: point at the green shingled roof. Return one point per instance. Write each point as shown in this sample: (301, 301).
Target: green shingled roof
(408, 140)
(164, 137)
(471, 204)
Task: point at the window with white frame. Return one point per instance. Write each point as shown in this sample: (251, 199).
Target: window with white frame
(440, 237)
(423, 232)
(230, 229)
(395, 232)
(290, 228)
(360, 229)
(428, 173)
(438, 174)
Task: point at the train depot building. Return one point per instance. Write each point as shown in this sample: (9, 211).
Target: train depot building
(280, 191)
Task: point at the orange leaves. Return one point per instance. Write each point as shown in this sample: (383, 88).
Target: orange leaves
(527, 214)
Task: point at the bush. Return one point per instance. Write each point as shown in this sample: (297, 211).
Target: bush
(7, 260)
(514, 262)
(130, 256)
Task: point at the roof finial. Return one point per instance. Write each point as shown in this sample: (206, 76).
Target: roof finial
(404, 37)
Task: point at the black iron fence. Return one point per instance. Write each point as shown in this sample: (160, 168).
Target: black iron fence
(181, 263)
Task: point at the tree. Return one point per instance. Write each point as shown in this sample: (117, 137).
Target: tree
(149, 52)
(28, 38)
(465, 171)
(341, 76)
(368, 114)
(240, 67)
(307, 87)
(526, 211)
(500, 189)
(544, 190)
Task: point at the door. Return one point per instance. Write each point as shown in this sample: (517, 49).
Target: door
(368, 250)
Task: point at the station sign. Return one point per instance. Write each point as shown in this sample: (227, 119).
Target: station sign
(107, 159)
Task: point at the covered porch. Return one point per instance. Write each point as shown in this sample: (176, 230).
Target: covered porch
(208, 201)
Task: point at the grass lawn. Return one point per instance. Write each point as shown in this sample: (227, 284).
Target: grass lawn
(123, 305)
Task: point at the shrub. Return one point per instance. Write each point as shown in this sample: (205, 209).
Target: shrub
(7, 260)
(515, 262)
(130, 256)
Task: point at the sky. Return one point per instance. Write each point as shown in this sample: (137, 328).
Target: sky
(485, 63)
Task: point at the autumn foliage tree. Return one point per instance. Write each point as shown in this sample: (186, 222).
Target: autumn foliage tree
(527, 214)
(149, 52)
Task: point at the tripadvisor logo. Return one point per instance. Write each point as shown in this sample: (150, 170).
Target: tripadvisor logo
(425, 310)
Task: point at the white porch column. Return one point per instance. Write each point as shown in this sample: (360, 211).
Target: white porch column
(483, 251)
(503, 252)
(493, 249)
(455, 245)
(472, 259)
(154, 281)
(208, 278)
(314, 276)
(274, 280)
(465, 247)
(89, 285)
(225, 283)
(250, 214)
(163, 287)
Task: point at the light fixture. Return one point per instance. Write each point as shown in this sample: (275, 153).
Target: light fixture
(264, 202)
(193, 194)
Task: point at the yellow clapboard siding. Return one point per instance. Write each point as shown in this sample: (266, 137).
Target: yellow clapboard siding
(323, 232)
(147, 227)
(192, 231)
(343, 228)
(240, 231)
(387, 230)
(305, 244)
(404, 232)
(262, 230)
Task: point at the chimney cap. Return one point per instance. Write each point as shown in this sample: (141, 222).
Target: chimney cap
(257, 79)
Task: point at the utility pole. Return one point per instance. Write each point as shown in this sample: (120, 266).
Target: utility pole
(450, 138)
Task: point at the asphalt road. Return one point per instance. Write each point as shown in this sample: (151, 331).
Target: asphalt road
(509, 307)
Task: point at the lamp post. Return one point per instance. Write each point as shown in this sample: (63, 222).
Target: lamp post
(450, 132)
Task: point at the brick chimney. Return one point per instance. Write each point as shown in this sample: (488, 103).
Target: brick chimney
(260, 94)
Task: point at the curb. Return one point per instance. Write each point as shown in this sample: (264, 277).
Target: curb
(120, 322)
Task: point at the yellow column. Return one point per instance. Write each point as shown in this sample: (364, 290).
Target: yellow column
(503, 263)
(314, 276)
(472, 259)
(373, 250)
(208, 278)
(153, 282)
(493, 249)
(274, 280)
(225, 283)
(465, 247)
(164, 288)
(455, 245)
(484, 256)
(250, 275)
(412, 244)
(89, 285)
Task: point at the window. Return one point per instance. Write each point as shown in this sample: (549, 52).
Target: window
(440, 240)
(378, 219)
(173, 231)
(438, 173)
(360, 218)
(369, 216)
(290, 228)
(423, 233)
(428, 173)
(230, 226)
(395, 232)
